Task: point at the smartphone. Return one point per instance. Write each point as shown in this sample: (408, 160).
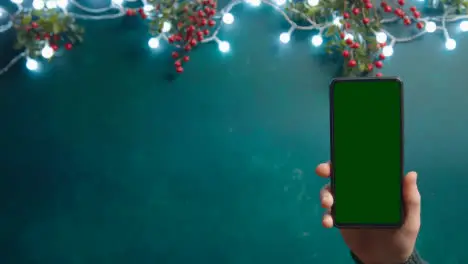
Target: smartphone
(366, 132)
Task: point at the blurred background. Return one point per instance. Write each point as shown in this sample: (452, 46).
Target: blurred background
(106, 156)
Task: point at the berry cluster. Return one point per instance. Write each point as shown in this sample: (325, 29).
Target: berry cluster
(360, 17)
(35, 31)
(134, 12)
(402, 14)
(192, 27)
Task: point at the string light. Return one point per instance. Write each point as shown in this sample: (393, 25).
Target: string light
(464, 26)
(115, 10)
(51, 4)
(153, 43)
(32, 64)
(38, 4)
(387, 51)
(312, 2)
(47, 52)
(224, 46)
(228, 18)
(381, 37)
(285, 37)
(450, 44)
(431, 26)
(166, 27)
(317, 40)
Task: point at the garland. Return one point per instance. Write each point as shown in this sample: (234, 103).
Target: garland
(351, 29)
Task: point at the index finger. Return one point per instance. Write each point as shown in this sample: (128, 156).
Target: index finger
(323, 170)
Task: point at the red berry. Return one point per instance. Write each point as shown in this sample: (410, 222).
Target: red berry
(187, 48)
(68, 46)
(186, 58)
(54, 47)
(34, 25)
(177, 64)
(201, 13)
(383, 4)
(352, 63)
(355, 45)
(46, 36)
(356, 11)
(346, 15)
(349, 41)
(180, 70)
(175, 55)
(347, 25)
(381, 56)
(413, 9)
(140, 10)
(388, 9)
(401, 2)
(190, 28)
(365, 20)
(206, 32)
(345, 53)
(368, 5)
(370, 67)
(143, 16)
(211, 23)
(203, 22)
(199, 33)
(419, 25)
(38, 37)
(342, 35)
(199, 38)
(407, 21)
(416, 14)
(193, 42)
(378, 64)
(378, 74)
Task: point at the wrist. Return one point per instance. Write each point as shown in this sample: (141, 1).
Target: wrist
(414, 258)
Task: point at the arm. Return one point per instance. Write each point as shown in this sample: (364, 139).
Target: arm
(413, 259)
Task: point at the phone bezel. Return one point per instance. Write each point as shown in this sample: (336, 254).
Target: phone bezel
(332, 146)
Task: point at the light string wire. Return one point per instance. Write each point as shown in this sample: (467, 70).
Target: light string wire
(439, 22)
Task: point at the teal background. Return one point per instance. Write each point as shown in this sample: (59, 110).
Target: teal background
(366, 155)
(104, 160)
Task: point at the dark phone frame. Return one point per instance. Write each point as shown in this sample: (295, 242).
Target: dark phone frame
(332, 147)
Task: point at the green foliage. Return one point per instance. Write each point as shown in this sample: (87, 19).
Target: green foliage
(40, 26)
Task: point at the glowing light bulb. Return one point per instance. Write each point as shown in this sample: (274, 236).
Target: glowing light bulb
(118, 2)
(254, 2)
(336, 21)
(62, 3)
(464, 26)
(285, 37)
(387, 51)
(280, 2)
(166, 27)
(224, 46)
(18, 2)
(38, 4)
(450, 44)
(153, 43)
(47, 52)
(228, 18)
(32, 64)
(51, 4)
(148, 8)
(312, 2)
(431, 26)
(317, 40)
(381, 37)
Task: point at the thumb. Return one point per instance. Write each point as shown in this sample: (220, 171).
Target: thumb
(412, 200)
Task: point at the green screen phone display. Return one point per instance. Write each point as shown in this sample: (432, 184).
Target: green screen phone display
(367, 151)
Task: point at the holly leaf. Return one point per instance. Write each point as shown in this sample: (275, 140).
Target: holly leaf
(26, 20)
(56, 28)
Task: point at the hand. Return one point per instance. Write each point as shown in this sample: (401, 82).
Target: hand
(377, 246)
